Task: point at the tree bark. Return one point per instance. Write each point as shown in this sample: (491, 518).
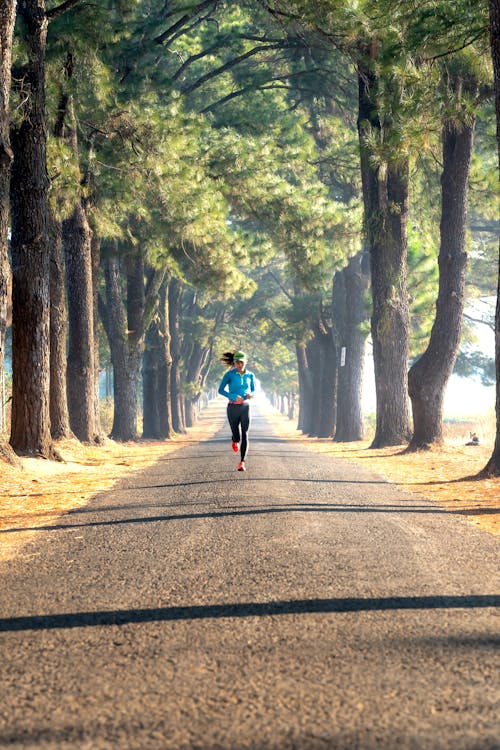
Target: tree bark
(305, 390)
(174, 301)
(59, 415)
(151, 382)
(194, 377)
(126, 327)
(492, 468)
(81, 372)
(95, 251)
(125, 361)
(7, 16)
(157, 421)
(428, 377)
(349, 312)
(165, 375)
(30, 428)
(77, 242)
(324, 364)
(385, 198)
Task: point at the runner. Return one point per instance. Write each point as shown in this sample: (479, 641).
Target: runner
(240, 385)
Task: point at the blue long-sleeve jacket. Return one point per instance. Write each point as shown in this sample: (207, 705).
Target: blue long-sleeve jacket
(233, 384)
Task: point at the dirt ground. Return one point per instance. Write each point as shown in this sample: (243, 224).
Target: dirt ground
(41, 490)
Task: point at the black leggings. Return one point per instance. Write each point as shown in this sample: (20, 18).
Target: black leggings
(239, 415)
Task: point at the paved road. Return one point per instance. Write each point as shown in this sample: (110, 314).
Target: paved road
(305, 604)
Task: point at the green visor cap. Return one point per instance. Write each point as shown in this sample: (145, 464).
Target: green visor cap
(239, 355)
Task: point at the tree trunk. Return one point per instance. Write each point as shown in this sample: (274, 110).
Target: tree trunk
(325, 391)
(95, 251)
(30, 428)
(428, 377)
(125, 359)
(492, 468)
(174, 300)
(156, 374)
(165, 375)
(194, 369)
(305, 390)
(390, 318)
(7, 16)
(313, 352)
(81, 374)
(385, 198)
(126, 330)
(77, 239)
(59, 416)
(349, 313)
(151, 360)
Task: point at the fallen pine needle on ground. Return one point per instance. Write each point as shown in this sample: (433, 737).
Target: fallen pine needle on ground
(444, 475)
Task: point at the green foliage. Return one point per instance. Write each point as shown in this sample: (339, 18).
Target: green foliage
(225, 146)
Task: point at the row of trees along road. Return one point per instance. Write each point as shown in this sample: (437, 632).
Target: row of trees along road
(282, 176)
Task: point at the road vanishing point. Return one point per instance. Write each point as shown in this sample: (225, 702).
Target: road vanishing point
(306, 604)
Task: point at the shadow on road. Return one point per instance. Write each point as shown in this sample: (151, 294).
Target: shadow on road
(249, 511)
(245, 609)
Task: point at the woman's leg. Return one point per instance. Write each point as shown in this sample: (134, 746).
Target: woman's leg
(245, 424)
(233, 416)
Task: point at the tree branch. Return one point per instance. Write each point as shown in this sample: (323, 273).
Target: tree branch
(481, 33)
(285, 291)
(59, 10)
(185, 18)
(265, 86)
(490, 324)
(227, 66)
(240, 92)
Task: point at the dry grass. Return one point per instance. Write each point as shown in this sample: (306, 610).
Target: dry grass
(445, 475)
(41, 491)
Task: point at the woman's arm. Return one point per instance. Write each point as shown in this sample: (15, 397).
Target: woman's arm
(222, 386)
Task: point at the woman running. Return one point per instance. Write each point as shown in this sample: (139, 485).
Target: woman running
(240, 385)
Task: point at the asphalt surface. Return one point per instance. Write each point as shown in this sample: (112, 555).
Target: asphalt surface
(304, 604)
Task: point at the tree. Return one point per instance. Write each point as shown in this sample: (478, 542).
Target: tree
(385, 197)
(429, 375)
(156, 372)
(350, 315)
(30, 428)
(126, 324)
(492, 468)
(7, 16)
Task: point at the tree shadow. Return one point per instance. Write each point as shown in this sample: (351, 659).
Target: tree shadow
(246, 609)
(239, 512)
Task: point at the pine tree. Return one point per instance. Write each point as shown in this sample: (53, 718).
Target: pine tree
(492, 468)
(30, 428)
(7, 16)
(429, 375)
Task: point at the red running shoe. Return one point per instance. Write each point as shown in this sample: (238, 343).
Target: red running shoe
(241, 466)
(234, 446)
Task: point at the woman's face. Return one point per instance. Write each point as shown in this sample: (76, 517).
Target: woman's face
(240, 365)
